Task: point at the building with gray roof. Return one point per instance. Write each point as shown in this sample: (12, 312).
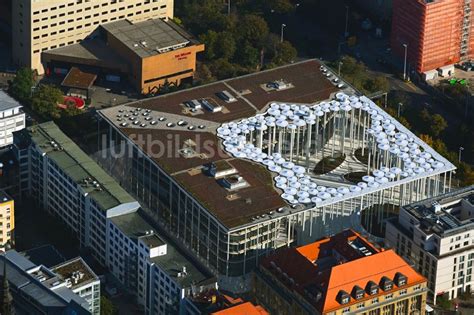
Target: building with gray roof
(12, 118)
(70, 185)
(105, 218)
(169, 268)
(38, 290)
(436, 235)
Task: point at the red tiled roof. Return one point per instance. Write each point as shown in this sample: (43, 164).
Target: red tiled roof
(361, 271)
(317, 266)
(243, 309)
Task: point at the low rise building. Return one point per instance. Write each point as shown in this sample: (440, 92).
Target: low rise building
(80, 278)
(36, 289)
(148, 54)
(341, 274)
(7, 219)
(12, 118)
(436, 236)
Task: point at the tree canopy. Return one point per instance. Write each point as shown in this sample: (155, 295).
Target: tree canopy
(22, 84)
(237, 43)
(45, 101)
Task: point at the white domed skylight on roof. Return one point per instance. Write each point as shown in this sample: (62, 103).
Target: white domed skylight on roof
(289, 137)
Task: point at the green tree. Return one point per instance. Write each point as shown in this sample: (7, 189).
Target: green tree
(225, 45)
(45, 101)
(351, 67)
(279, 6)
(210, 41)
(285, 53)
(253, 29)
(223, 69)
(376, 84)
(248, 56)
(204, 73)
(22, 84)
(106, 307)
(438, 125)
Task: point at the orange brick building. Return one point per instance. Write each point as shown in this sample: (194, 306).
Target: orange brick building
(437, 32)
(148, 54)
(338, 275)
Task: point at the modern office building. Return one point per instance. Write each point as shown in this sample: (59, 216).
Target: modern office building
(147, 54)
(80, 278)
(35, 289)
(12, 118)
(7, 220)
(229, 168)
(41, 25)
(341, 274)
(436, 236)
(437, 33)
(70, 185)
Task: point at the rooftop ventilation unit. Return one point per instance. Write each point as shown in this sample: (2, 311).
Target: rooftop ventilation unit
(234, 182)
(437, 208)
(226, 96)
(187, 153)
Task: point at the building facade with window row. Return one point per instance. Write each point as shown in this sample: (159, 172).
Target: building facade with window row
(436, 236)
(41, 25)
(106, 219)
(340, 274)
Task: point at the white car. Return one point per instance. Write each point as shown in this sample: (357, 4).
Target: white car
(336, 80)
(340, 86)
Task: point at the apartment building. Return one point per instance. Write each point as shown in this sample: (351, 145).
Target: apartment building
(105, 218)
(81, 280)
(36, 289)
(437, 33)
(436, 236)
(7, 219)
(341, 274)
(41, 25)
(165, 278)
(12, 118)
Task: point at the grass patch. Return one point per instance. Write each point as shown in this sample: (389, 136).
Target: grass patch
(328, 164)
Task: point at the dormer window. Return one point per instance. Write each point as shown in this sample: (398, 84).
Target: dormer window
(386, 284)
(343, 297)
(357, 292)
(372, 288)
(400, 279)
